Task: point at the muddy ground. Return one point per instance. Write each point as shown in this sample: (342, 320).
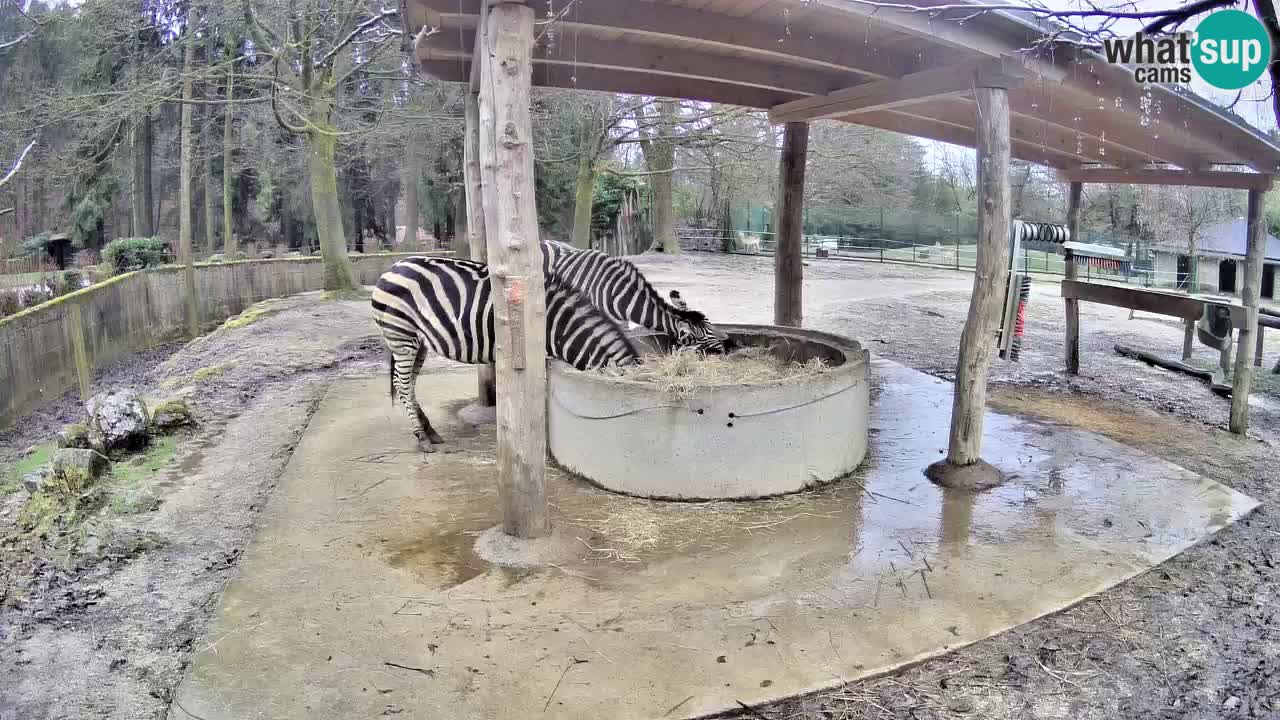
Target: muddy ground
(91, 634)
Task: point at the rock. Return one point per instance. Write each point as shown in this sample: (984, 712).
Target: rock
(294, 254)
(30, 450)
(266, 254)
(1232, 703)
(960, 705)
(75, 469)
(75, 435)
(118, 420)
(170, 415)
(217, 258)
(34, 482)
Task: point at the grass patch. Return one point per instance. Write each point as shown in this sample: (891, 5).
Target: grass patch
(131, 481)
(251, 315)
(209, 373)
(11, 478)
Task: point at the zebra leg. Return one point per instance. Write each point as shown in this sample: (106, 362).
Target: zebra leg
(406, 361)
(423, 422)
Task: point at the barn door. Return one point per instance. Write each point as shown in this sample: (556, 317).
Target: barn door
(1227, 276)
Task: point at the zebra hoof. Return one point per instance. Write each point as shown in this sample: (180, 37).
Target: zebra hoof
(435, 438)
(425, 446)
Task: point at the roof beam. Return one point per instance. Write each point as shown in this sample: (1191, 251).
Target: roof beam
(963, 135)
(713, 31)
(907, 90)
(947, 32)
(1179, 115)
(592, 52)
(1029, 131)
(1161, 176)
(1105, 128)
(616, 81)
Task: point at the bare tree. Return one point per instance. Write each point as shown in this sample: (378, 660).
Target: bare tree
(321, 49)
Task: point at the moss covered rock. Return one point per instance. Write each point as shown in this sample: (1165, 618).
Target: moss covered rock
(170, 415)
(75, 435)
(118, 420)
(75, 469)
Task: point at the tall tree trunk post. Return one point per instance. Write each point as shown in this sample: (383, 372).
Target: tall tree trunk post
(583, 197)
(1075, 194)
(186, 158)
(660, 157)
(1250, 295)
(511, 224)
(788, 283)
(210, 217)
(476, 235)
(584, 190)
(964, 467)
(139, 216)
(228, 139)
(152, 213)
(409, 174)
(339, 277)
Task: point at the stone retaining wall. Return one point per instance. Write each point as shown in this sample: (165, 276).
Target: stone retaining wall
(51, 348)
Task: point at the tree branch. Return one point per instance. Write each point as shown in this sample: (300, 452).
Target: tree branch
(262, 35)
(351, 36)
(17, 165)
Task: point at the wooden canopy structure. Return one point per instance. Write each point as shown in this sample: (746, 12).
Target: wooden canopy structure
(1007, 84)
(910, 72)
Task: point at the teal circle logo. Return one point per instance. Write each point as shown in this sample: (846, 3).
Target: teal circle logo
(1231, 49)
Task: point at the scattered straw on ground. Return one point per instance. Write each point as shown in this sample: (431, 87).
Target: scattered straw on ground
(683, 373)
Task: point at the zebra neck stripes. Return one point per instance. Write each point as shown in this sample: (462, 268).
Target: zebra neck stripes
(619, 289)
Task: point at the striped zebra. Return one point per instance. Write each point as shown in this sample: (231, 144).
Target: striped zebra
(444, 305)
(621, 292)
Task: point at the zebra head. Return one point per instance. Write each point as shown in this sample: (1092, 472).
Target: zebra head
(692, 330)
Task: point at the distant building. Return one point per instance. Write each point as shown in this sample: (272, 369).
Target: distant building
(1221, 255)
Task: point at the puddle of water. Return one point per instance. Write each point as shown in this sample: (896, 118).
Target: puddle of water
(431, 557)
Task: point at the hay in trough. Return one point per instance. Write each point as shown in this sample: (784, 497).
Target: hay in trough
(684, 373)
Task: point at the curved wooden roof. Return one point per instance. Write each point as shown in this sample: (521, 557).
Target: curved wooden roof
(898, 70)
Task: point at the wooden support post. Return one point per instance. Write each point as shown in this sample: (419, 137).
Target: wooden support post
(963, 466)
(515, 262)
(486, 394)
(788, 265)
(75, 328)
(1188, 340)
(1249, 297)
(1073, 305)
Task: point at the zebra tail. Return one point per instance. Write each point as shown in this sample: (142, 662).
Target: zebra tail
(391, 373)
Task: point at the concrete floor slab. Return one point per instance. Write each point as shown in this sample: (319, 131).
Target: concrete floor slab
(361, 596)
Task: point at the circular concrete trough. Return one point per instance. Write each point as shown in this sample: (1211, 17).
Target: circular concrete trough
(731, 442)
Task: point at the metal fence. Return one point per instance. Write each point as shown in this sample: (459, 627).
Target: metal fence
(955, 256)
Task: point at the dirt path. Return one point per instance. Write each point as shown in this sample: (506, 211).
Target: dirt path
(109, 638)
(96, 637)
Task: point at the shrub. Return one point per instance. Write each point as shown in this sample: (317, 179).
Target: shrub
(67, 281)
(128, 254)
(10, 303)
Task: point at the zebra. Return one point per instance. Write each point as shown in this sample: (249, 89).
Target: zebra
(621, 292)
(445, 305)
